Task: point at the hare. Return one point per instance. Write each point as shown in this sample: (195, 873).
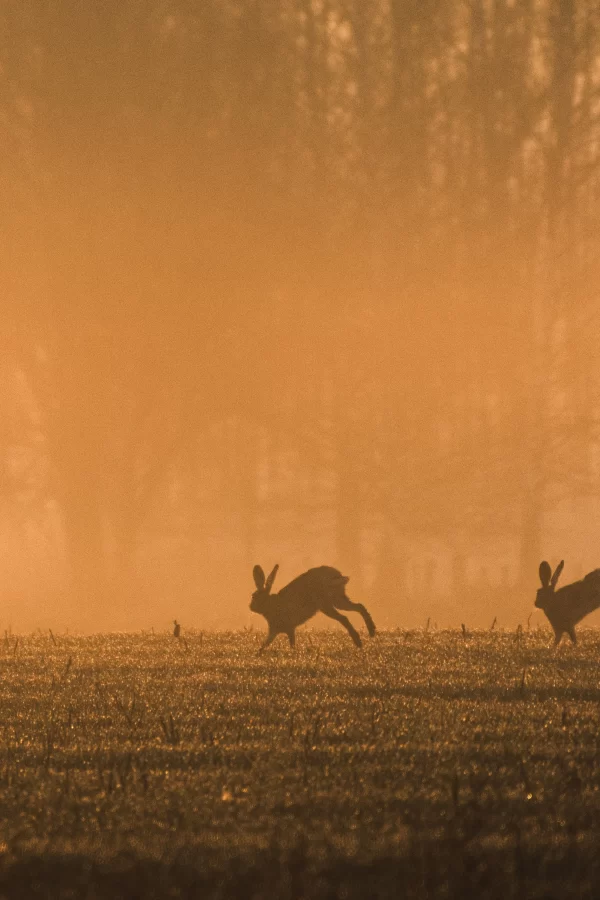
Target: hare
(569, 605)
(319, 590)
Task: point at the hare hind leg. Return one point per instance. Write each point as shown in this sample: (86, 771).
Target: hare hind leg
(332, 612)
(346, 604)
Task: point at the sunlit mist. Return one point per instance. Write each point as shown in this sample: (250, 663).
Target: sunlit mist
(298, 283)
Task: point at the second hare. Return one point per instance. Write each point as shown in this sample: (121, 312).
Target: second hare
(319, 590)
(567, 606)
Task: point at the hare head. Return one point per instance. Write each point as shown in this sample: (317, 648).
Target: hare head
(261, 598)
(548, 580)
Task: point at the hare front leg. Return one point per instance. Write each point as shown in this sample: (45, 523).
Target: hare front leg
(269, 640)
(557, 636)
(572, 635)
(292, 638)
(334, 614)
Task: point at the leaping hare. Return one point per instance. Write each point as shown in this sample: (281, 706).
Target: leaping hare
(319, 590)
(569, 605)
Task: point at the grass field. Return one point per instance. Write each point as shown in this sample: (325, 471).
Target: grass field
(427, 765)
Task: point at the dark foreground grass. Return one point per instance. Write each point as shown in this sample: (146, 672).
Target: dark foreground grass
(427, 765)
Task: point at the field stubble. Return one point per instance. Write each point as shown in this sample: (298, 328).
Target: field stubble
(428, 764)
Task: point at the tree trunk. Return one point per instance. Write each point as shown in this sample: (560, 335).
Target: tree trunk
(347, 510)
(86, 549)
(531, 542)
(390, 588)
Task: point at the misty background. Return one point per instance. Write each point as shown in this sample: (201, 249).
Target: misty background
(297, 281)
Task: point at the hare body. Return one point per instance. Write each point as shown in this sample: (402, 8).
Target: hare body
(567, 606)
(322, 589)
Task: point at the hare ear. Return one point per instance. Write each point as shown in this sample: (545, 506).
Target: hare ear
(259, 577)
(545, 573)
(271, 578)
(557, 572)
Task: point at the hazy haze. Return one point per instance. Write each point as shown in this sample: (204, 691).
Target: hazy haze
(297, 282)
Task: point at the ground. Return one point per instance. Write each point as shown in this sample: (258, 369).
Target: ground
(430, 764)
